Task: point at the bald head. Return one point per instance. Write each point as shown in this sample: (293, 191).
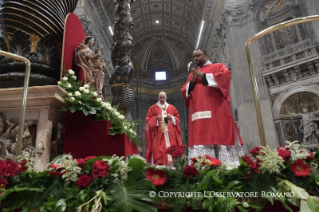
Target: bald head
(162, 97)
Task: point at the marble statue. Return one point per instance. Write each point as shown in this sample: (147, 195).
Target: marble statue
(91, 64)
(308, 126)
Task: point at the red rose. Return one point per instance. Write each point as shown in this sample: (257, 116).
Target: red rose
(80, 162)
(84, 181)
(284, 153)
(99, 173)
(190, 171)
(101, 165)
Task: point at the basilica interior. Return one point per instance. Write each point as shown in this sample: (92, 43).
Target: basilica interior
(165, 34)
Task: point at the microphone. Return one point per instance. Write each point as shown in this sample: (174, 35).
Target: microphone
(189, 66)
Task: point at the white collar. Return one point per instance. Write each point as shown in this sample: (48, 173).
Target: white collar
(162, 106)
(207, 63)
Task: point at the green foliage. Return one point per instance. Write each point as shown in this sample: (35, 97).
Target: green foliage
(134, 194)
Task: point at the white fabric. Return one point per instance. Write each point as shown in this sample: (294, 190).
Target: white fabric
(187, 86)
(211, 81)
(226, 154)
(164, 115)
(201, 115)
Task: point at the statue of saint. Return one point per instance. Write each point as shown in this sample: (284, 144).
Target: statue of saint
(90, 63)
(308, 126)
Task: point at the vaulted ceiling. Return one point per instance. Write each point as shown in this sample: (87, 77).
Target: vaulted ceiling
(165, 34)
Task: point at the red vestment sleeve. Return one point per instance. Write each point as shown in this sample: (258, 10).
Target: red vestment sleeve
(150, 130)
(223, 76)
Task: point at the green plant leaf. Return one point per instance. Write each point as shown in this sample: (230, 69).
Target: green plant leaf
(137, 163)
(134, 194)
(312, 203)
(60, 206)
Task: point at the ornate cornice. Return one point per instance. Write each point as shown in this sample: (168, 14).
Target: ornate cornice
(239, 14)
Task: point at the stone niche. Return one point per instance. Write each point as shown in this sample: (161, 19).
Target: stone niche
(299, 118)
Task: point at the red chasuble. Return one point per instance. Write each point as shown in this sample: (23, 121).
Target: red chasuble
(155, 138)
(210, 118)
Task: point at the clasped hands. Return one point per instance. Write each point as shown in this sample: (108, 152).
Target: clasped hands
(159, 117)
(196, 74)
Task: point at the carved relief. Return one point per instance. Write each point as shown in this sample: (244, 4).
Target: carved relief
(286, 36)
(9, 135)
(274, 6)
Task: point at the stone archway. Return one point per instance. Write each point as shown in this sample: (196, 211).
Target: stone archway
(277, 107)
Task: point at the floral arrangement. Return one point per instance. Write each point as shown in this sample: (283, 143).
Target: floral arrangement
(128, 184)
(85, 98)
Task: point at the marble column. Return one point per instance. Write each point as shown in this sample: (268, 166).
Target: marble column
(236, 36)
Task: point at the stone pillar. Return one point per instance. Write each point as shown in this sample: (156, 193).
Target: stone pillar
(298, 72)
(270, 83)
(273, 41)
(241, 27)
(275, 78)
(312, 70)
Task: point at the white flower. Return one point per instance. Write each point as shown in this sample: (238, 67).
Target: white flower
(125, 127)
(77, 93)
(131, 131)
(64, 78)
(109, 107)
(121, 117)
(86, 86)
(104, 105)
(74, 77)
(95, 94)
(86, 91)
(81, 88)
(59, 82)
(71, 72)
(99, 99)
(72, 98)
(69, 85)
(117, 113)
(70, 94)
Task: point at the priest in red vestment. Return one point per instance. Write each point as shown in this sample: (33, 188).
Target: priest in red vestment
(212, 129)
(161, 131)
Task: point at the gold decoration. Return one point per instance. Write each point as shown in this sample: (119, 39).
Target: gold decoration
(162, 125)
(8, 39)
(34, 42)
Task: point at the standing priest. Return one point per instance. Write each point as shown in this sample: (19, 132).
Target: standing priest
(212, 129)
(161, 131)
